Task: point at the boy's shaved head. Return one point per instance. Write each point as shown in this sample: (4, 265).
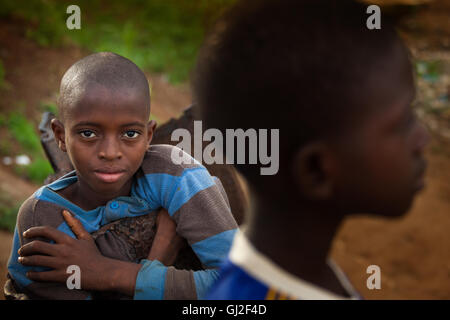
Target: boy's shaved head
(103, 125)
(104, 69)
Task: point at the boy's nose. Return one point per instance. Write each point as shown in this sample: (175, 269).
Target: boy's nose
(110, 150)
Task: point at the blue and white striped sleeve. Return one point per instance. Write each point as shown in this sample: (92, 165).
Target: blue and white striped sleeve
(198, 204)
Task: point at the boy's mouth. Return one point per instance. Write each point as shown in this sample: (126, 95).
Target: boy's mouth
(109, 176)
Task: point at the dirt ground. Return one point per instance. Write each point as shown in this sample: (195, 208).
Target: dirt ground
(413, 252)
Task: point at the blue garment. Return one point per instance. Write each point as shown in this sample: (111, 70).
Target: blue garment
(235, 283)
(194, 199)
(249, 275)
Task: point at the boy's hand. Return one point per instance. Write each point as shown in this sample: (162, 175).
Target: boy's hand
(76, 226)
(166, 243)
(97, 272)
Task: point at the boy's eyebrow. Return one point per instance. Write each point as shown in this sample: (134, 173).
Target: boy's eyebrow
(93, 124)
(133, 124)
(86, 123)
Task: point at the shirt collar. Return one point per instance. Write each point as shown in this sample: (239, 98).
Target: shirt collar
(245, 255)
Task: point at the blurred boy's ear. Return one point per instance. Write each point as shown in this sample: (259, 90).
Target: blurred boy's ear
(151, 127)
(58, 131)
(313, 171)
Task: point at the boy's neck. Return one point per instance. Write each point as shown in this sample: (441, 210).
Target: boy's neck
(298, 240)
(88, 199)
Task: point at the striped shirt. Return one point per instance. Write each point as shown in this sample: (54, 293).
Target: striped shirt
(194, 199)
(249, 275)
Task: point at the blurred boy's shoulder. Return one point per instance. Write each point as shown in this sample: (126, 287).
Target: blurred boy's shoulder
(249, 274)
(235, 283)
(168, 159)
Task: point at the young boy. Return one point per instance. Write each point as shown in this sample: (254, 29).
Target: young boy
(104, 107)
(340, 95)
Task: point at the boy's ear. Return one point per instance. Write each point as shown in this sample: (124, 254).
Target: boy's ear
(59, 132)
(151, 127)
(314, 171)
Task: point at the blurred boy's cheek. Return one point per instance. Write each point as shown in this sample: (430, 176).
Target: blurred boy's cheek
(422, 138)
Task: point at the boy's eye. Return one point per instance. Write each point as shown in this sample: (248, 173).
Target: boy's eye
(87, 134)
(131, 134)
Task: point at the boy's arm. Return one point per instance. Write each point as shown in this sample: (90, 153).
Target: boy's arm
(198, 205)
(25, 220)
(97, 272)
(27, 217)
(203, 218)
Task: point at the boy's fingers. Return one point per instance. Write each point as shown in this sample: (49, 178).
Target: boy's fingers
(47, 232)
(40, 261)
(76, 226)
(46, 276)
(37, 246)
(163, 215)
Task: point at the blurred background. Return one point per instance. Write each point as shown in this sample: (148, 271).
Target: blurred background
(163, 37)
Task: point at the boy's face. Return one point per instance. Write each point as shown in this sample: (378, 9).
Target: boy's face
(382, 162)
(106, 135)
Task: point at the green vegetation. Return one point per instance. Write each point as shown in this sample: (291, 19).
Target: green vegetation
(5, 147)
(4, 85)
(37, 170)
(8, 217)
(22, 131)
(158, 35)
(429, 70)
(2, 75)
(8, 213)
(49, 107)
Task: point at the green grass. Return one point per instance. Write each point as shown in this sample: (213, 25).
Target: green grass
(8, 216)
(49, 106)
(8, 213)
(158, 35)
(5, 147)
(37, 170)
(4, 85)
(24, 133)
(2, 75)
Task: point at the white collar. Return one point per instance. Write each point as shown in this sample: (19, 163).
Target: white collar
(245, 255)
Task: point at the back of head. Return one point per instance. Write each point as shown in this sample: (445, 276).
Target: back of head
(105, 69)
(305, 67)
